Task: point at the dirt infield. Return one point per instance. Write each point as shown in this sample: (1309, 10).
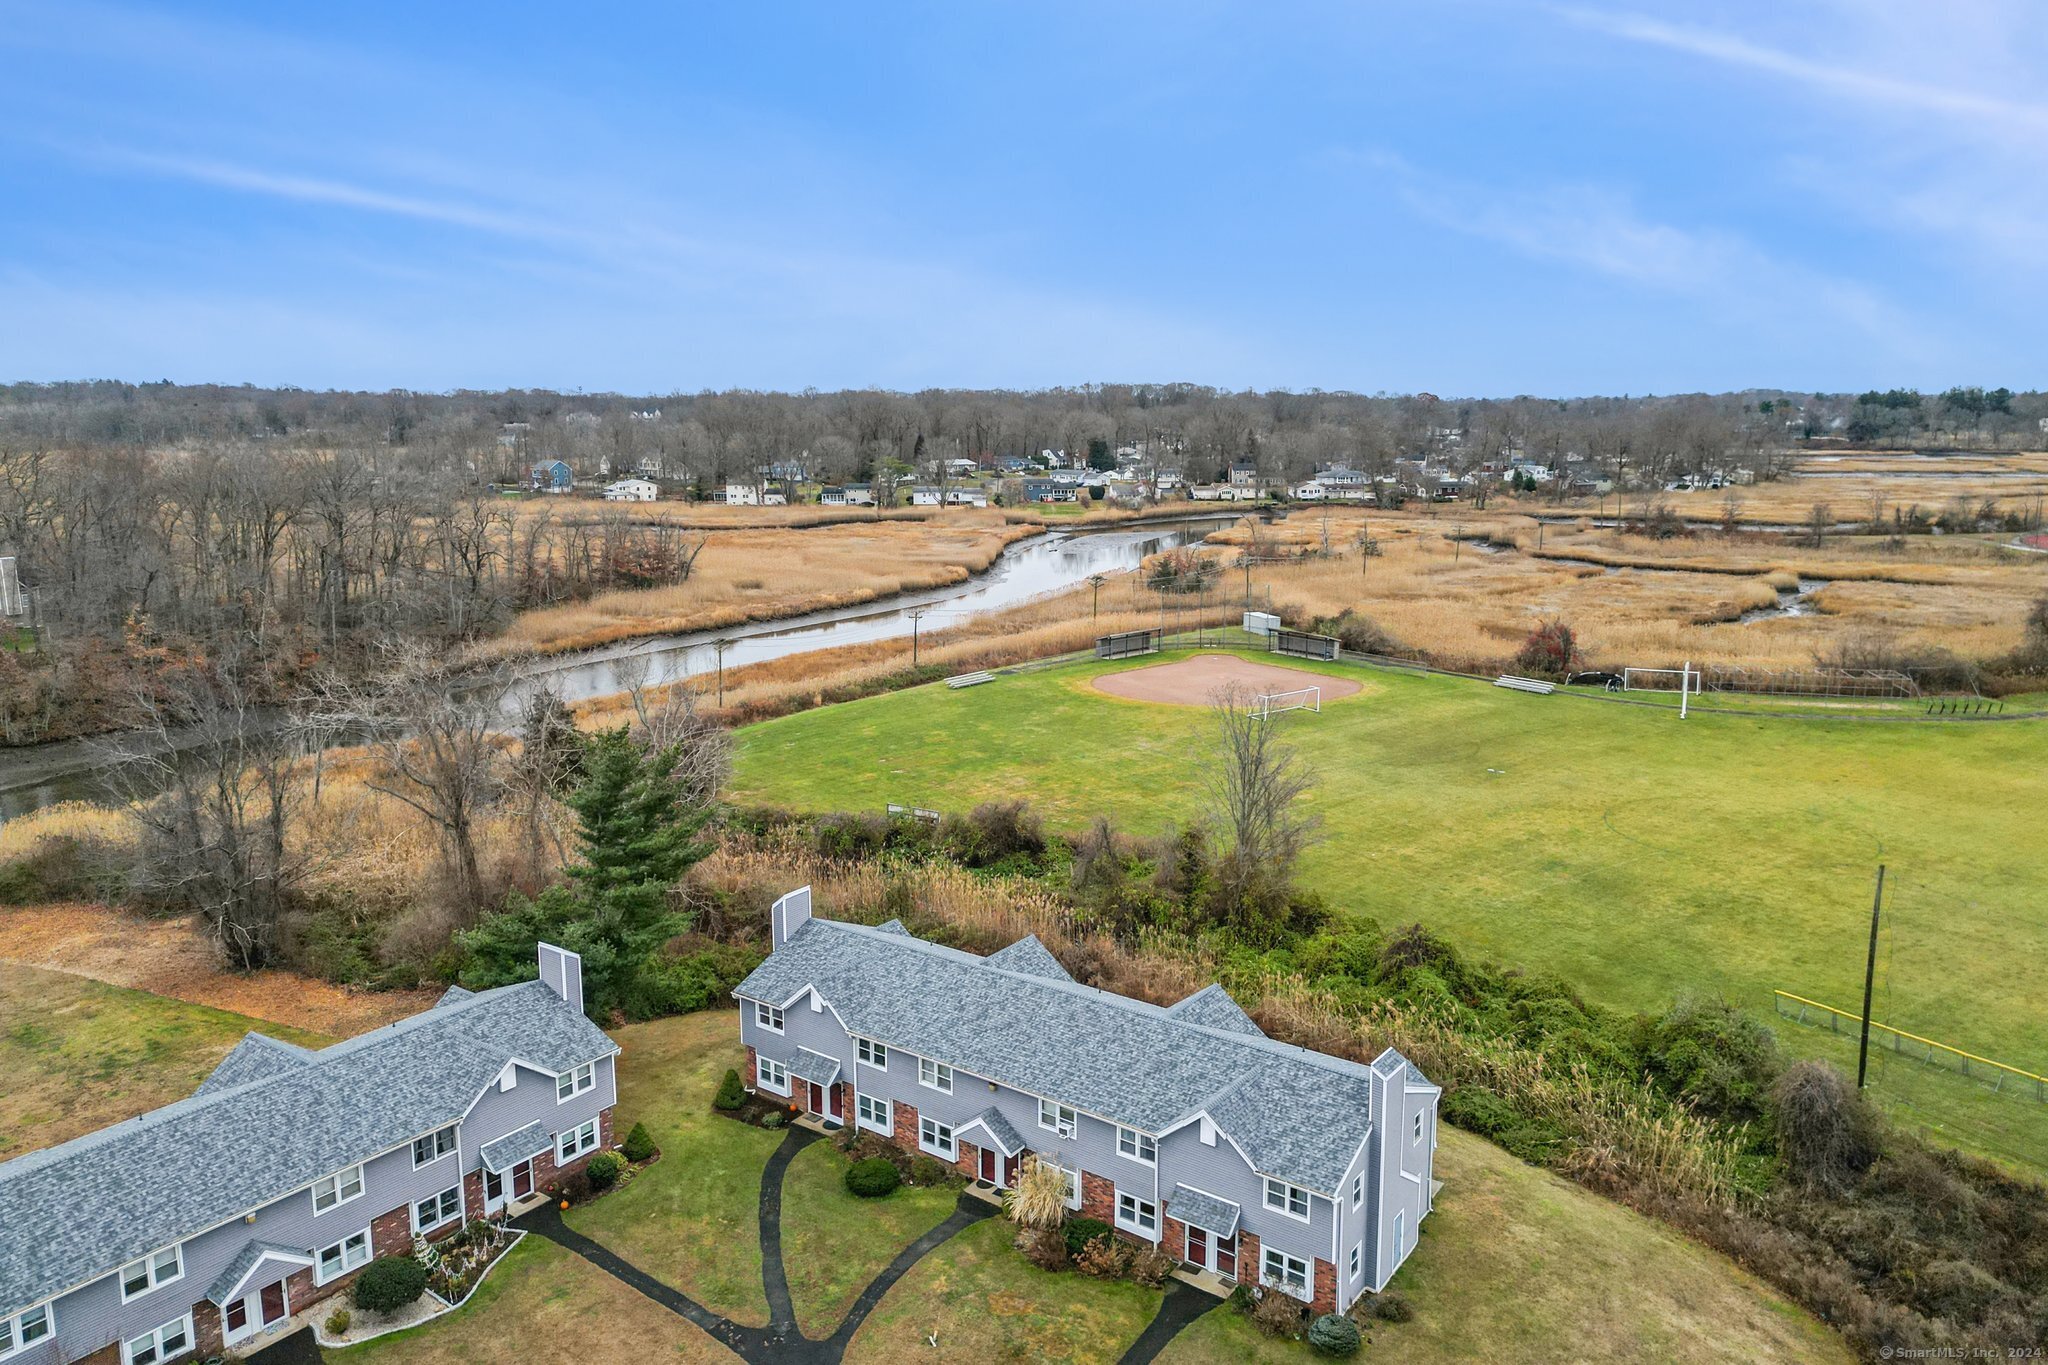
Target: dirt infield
(1192, 682)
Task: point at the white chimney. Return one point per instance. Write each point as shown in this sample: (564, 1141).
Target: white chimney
(562, 972)
(787, 916)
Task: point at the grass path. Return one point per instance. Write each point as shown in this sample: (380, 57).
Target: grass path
(1637, 856)
(833, 1243)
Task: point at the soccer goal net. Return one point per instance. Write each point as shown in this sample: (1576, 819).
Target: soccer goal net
(1271, 704)
(1659, 679)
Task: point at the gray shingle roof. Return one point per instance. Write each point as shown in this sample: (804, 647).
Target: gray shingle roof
(87, 1207)
(1298, 1115)
(814, 1067)
(453, 995)
(257, 1057)
(1000, 1129)
(230, 1279)
(1203, 1210)
(508, 1151)
(1213, 1006)
(1031, 957)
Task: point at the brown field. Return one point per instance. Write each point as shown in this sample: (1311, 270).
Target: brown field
(1193, 682)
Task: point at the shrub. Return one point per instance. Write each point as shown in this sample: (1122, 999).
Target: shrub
(873, 1178)
(1043, 1247)
(731, 1094)
(1079, 1232)
(602, 1170)
(774, 1120)
(1240, 1300)
(1552, 650)
(1151, 1267)
(1333, 1334)
(1826, 1133)
(1106, 1258)
(337, 1322)
(993, 831)
(638, 1145)
(1391, 1308)
(1717, 1056)
(1278, 1315)
(389, 1283)
(1357, 633)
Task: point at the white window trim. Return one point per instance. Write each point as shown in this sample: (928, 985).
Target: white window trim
(1357, 1261)
(866, 1050)
(14, 1326)
(1400, 1232)
(181, 1325)
(1073, 1179)
(154, 1281)
(1287, 1193)
(939, 1070)
(1135, 1224)
(1268, 1255)
(1418, 1127)
(571, 1143)
(1138, 1143)
(435, 1198)
(1066, 1120)
(362, 1187)
(581, 1079)
(762, 1013)
(950, 1151)
(439, 1153)
(761, 1077)
(1357, 1190)
(887, 1123)
(320, 1275)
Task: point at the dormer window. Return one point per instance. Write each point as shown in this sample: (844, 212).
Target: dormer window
(768, 1016)
(1282, 1197)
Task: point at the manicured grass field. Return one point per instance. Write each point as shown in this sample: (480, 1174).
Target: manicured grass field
(1636, 855)
(77, 1054)
(834, 1243)
(692, 1219)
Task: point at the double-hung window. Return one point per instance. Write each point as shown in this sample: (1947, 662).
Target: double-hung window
(342, 1257)
(1356, 1265)
(174, 1338)
(1137, 1215)
(151, 1272)
(25, 1328)
(768, 1016)
(936, 1137)
(1357, 1190)
(574, 1142)
(1072, 1179)
(433, 1146)
(575, 1081)
(1137, 1146)
(874, 1112)
(437, 1210)
(337, 1189)
(1291, 1200)
(1288, 1274)
(872, 1053)
(1057, 1118)
(1418, 1125)
(772, 1075)
(934, 1075)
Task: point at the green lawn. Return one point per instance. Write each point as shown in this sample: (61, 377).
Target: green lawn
(78, 1054)
(692, 1219)
(833, 1243)
(1518, 1264)
(1636, 855)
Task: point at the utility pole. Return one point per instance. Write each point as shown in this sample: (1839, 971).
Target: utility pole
(916, 614)
(1095, 581)
(721, 646)
(1457, 540)
(1869, 980)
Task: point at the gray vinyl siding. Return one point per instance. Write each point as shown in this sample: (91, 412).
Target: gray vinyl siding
(93, 1316)
(1402, 1168)
(1222, 1171)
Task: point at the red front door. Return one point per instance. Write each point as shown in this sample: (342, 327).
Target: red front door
(1198, 1248)
(988, 1165)
(838, 1104)
(522, 1180)
(1226, 1256)
(273, 1302)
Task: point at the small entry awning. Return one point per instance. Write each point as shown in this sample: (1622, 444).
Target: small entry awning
(1204, 1211)
(999, 1129)
(247, 1267)
(814, 1067)
(508, 1151)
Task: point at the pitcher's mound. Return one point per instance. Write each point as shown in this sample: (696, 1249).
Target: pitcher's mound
(1192, 682)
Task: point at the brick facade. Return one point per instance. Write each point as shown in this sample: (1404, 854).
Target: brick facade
(753, 1073)
(904, 1120)
(1248, 1264)
(847, 1113)
(546, 1173)
(1173, 1239)
(206, 1328)
(1325, 1300)
(1098, 1198)
(1323, 1275)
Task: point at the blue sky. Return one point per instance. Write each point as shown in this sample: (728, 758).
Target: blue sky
(1472, 197)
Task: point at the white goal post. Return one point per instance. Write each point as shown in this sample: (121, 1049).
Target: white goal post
(1271, 704)
(1686, 682)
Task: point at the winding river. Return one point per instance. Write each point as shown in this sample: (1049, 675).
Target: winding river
(69, 770)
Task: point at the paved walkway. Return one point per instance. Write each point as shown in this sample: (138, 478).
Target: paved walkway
(780, 1343)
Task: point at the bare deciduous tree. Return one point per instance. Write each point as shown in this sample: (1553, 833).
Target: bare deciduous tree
(1255, 783)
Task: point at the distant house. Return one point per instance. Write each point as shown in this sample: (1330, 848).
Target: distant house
(648, 467)
(201, 1228)
(967, 497)
(553, 476)
(1046, 490)
(1224, 492)
(832, 496)
(755, 495)
(630, 490)
(1244, 473)
(512, 433)
(922, 496)
(1182, 1127)
(860, 495)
